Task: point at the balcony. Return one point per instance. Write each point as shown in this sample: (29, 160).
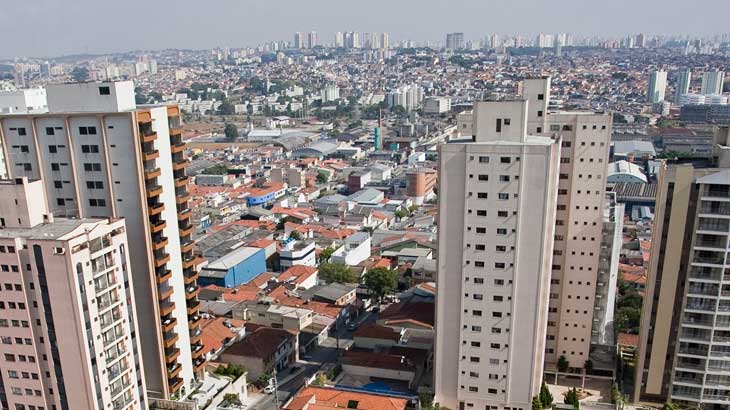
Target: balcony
(191, 291)
(161, 259)
(196, 350)
(186, 230)
(195, 335)
(165, 292)
(191, 262)
(175, 148)
(157, 226)
(144, 117)
(170, 339)
(178, 165)
(191, 275)
(193, 307)
(175, 384)
(173, 370)
(149, 137)
(166, 308)
(159, 242)
(155, 209)
(198, 365)
(168, 323)
(194, 321)
(714, 225)
(153, 190)
(185, 197)
(151, 155)
(715, 208)
(164, 276)
(187, 246)
(182, 181)
(717, 191)
(171, 355)
(173, 111)
(183, 215)
(151, 173)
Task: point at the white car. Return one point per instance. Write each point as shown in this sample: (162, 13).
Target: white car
(269, 389)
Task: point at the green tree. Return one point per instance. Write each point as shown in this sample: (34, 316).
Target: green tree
(80, 74)
(381, 281)
(571, 397)
(563, 364)
(670, 406)
(226, 108)
(295, 235)
(546, 398)
(615, 394)
(401, 213)
(232, 398)
(321, 178)
(536, 404)
(326, 254)
(218, 169)
(337, 273)
(231, 131)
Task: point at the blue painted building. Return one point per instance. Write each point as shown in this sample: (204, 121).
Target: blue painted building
(238, 267)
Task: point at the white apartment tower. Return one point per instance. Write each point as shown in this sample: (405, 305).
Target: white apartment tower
(684, 79)
(712, 82)
(68, 325)
(579, 219)
(99, 155)
(657, 87)
(495, 253)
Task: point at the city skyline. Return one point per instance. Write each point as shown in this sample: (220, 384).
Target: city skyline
(238, 25)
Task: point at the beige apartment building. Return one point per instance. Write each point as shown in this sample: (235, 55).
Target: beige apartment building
(99, 155)
(68, 327)
(684, 350)
(495, 253)
(579, 220)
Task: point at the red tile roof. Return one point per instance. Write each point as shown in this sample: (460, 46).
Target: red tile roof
(322, 398)
(215, 333)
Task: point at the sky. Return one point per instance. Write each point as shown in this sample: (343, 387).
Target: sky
(38, 28)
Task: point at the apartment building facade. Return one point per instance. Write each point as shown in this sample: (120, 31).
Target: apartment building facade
(99, 155)
(585, 146)
(496, 233)
(684, 350)
(68, 328)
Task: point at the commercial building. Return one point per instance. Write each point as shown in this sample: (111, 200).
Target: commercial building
(436, 105)
(712, 82)
(684, 351)
(69, 330)
(657, 87)
(99, 155)
(421, 182)
(238, 267)
(495, 250)
(31, 100)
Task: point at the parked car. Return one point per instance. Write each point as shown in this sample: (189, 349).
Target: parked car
(269, 389)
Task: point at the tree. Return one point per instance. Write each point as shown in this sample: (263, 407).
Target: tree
(321, 177)
(563, 364)
(615, 394)
(401, 213)
(337, 273)
(670, 406)
(232, 398)
(326, 254)
(295, 235)
(381, 281)
(231, 131)
(536, 404)
(571, 397)
(588, 366)
(80, 74)
(546, 398)
(226, 108)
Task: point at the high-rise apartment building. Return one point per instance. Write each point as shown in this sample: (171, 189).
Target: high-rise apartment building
(684, 350)
(579, 219)
(455, 41)
(684, 79)
(339, 40)
(300, 40)
(384, 41)
(99, 155)
(312, 39)
(68, 329)
(657, 87)
(495, 249)
(712, 82)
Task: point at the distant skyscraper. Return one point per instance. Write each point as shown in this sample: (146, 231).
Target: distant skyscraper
(454, 41)
(641, 40)
(495, 249)
(299, 40)
(384, 41)
(657, 86)
(683, 81)
(712, 82)
(684, 349)
(312, 39)
(339, 40)
(69, 330)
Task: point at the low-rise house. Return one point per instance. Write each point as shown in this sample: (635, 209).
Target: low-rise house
(218, 333)
(355, 249)
(294, 252)
(328, 398)
(263, 350)
(272, 315)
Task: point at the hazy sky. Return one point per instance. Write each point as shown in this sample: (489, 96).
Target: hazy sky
(56, 27)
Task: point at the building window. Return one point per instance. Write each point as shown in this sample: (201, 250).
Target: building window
(483, 177)
(503, 196)
(104, 90)
(540, 97)
(22, 132)
(50, 131)
(484, 160)
(89, 149)
(482, 195)
(505, 160)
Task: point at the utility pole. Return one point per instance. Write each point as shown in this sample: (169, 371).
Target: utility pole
(276, 389)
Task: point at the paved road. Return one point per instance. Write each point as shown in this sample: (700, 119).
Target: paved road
(327, 352)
